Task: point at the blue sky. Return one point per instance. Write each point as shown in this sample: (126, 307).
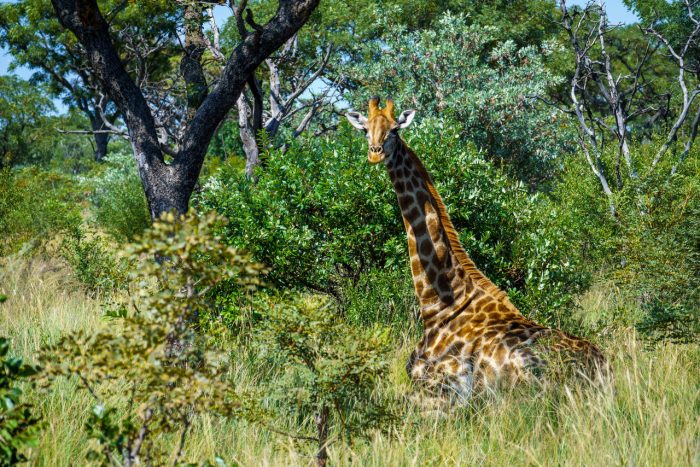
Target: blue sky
(617, 12)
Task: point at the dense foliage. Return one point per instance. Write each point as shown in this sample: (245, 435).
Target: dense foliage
(153, 353)
(22, 113)
(488, 86)
(321, 217)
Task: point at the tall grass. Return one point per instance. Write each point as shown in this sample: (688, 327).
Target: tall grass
(650, 416)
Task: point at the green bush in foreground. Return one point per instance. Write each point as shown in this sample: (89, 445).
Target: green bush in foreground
(330, 371)
(19, 428)
(151, 373)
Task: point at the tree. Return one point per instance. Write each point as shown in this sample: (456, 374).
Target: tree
(462, 70)
(168, 183)
(606, 99)
(330, 374)
(35, 39)
(676, 27)
(22, 109)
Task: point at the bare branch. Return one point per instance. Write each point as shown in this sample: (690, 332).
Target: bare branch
(687, 96)
(689, 142)
(92, 132)
(238, 14)
(214, 45)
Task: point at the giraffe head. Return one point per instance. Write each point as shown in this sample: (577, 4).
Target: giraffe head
(381, 128)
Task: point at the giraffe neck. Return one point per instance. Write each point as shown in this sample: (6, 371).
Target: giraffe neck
(446, 281)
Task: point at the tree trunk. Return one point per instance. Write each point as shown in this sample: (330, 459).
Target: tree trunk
(101, 139)
(321, 419)
(101, 142)
(167, 188)
(247, 135)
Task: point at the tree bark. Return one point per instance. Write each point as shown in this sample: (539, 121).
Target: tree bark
(101, 138)
(248, 135)
(169, 186)
(321, 419)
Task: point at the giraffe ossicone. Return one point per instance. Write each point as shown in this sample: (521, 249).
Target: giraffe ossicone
(474, 337)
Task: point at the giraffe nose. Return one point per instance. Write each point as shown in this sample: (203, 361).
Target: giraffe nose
(375, 149)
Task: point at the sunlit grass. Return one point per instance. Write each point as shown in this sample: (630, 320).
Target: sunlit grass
(650, 416)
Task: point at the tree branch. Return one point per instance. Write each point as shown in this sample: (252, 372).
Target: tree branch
(83, 18)
(245, 58)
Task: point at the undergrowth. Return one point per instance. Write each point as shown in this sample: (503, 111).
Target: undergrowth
(648, 417)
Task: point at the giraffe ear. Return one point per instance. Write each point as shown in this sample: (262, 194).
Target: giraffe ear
(406, 118)
(357, 120)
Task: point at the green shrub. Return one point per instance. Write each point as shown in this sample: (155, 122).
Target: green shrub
(93, 262)
(151, 373)
(651, 252)
(34, 204)
(119, 203)
(19, 429)
(658, 252)
(329, 374)
(321, 217)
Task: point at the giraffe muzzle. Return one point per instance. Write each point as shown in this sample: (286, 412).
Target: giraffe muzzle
(375, 154)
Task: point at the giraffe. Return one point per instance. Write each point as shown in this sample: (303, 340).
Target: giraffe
(474, 337)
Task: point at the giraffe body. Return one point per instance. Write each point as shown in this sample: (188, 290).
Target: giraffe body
(474, 337)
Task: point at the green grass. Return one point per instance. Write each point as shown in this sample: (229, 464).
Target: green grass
(651, 416)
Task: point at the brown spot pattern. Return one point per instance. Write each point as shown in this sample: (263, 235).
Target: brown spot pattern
(473, 327)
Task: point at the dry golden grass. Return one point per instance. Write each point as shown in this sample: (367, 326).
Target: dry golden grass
(651, 416)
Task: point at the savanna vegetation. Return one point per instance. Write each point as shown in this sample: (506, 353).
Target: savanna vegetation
(199, 267)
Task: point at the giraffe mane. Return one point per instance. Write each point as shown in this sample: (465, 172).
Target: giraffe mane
(455, 244)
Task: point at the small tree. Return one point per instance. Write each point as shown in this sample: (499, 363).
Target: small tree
(151, 372)
(608, 100)
(331, 371)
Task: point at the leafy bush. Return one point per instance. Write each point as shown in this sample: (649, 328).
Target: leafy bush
(118, 200)
(315, 215)
(381, 296)
(18, 427)
(93, 263)
(152, 373)
(651, 251)
(658, 252)
(330, 372)
(35, 203)
(321, 217)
